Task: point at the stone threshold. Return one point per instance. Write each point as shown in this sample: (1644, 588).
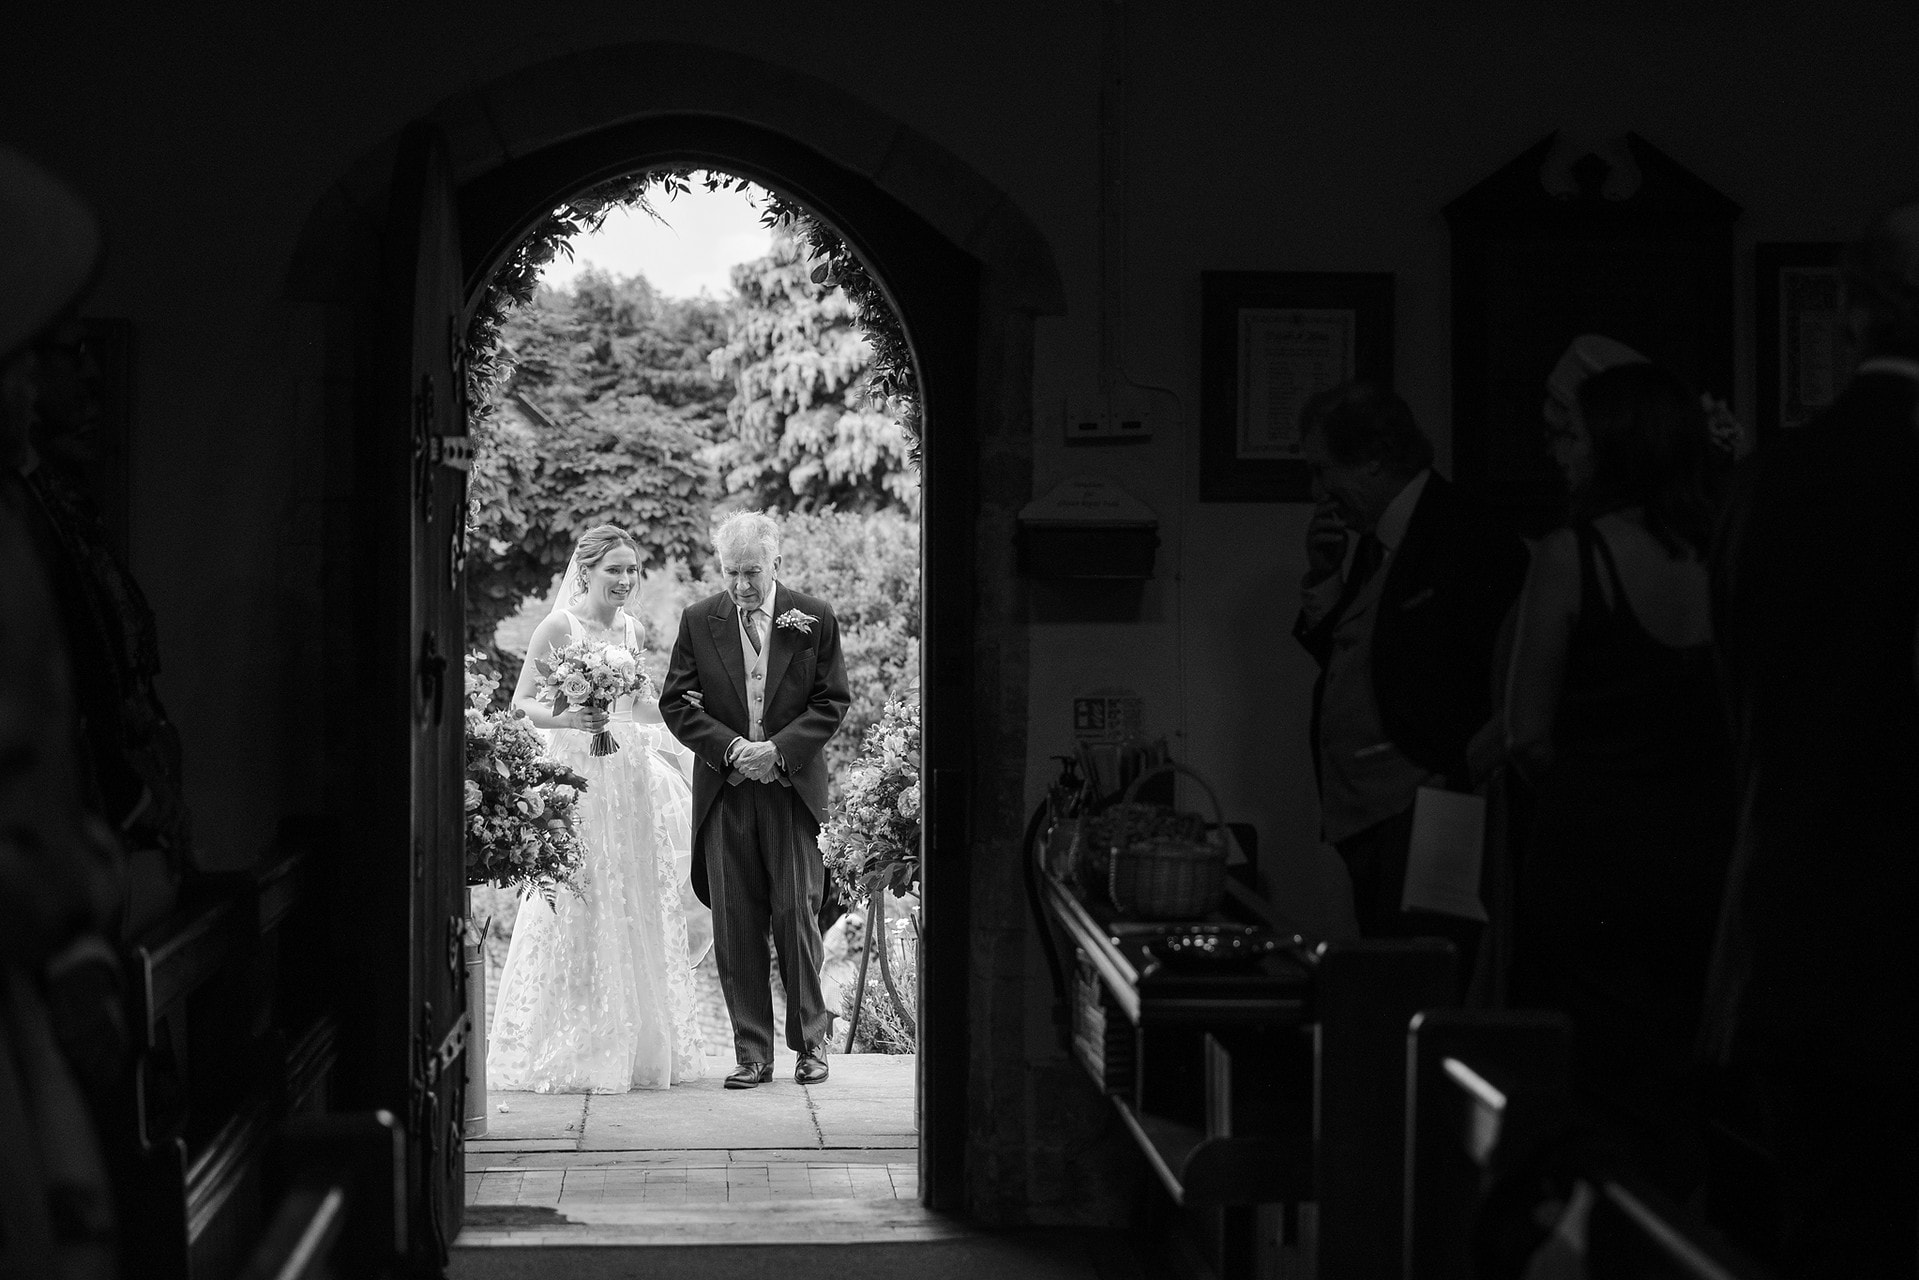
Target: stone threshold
(485, 1161)
(760, 1222)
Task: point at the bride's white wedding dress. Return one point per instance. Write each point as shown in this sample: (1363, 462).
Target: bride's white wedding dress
(597, 994)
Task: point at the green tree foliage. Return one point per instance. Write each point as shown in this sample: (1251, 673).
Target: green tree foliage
(811, 428)
(867, 566)
(625, 409)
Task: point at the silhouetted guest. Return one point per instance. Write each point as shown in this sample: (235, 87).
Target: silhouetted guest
(1614, 713)
(1403, 635)
(59, 868)
(1816, 972)
(130, 750)
(1509, 796)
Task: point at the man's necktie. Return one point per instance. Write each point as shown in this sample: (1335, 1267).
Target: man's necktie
(1366, 560)
(753, 628)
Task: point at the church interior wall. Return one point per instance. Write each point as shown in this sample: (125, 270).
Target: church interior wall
(1257, 137)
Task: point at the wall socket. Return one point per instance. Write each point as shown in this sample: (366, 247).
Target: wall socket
(1096, 419)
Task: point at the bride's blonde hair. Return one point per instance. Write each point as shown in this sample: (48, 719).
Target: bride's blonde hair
(592, 548)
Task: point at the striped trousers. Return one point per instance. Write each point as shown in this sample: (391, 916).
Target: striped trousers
(764, 872)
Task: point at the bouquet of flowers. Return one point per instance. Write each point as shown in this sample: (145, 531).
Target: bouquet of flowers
(594, 676)
(871, 839)
(521, 826)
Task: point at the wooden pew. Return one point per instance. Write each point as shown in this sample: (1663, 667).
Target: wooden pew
(1268, 1100)
(300, 1239)
(1489, 1094)
(229, 1039)
(340, 1185)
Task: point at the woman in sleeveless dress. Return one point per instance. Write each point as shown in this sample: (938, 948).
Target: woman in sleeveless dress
(1613, 712)
(597, 993)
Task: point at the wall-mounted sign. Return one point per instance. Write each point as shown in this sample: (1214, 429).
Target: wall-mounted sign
(1107, 715)
(1086, 500)
(1087, 527)
(1268, 341)
(1802, 357)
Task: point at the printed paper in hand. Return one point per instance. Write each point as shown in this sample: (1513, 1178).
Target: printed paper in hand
(1442, 861)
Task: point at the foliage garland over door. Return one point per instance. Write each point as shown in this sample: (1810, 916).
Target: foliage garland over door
(513, 284)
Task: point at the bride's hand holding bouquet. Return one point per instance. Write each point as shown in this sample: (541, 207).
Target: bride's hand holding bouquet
(589, 679)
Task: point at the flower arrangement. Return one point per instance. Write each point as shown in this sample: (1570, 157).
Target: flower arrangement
(521, 804)
(594, 676)
(871, 838)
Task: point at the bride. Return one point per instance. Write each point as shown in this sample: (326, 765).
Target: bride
(597, 994)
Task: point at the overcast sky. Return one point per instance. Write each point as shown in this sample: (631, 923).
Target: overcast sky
(704, 234)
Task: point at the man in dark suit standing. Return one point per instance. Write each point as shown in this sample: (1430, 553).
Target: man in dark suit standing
(755, 689)
(1815, 976)
(1403, 635)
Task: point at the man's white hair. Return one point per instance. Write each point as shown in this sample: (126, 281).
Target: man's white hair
(744, 532)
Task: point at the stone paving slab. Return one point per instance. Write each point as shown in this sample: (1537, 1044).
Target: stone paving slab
(702, 1114)
(551, 1117)
(868, 1101)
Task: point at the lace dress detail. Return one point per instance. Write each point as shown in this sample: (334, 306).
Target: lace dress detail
(597, 994)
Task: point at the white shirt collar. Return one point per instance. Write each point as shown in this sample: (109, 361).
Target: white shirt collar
(1391, 529)
(766, 601)
(1899, 366)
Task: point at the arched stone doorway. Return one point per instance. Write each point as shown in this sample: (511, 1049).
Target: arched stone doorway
(966, 272)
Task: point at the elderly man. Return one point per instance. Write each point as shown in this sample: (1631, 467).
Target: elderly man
(1403, 636)
(755, 689)
(1816, 973)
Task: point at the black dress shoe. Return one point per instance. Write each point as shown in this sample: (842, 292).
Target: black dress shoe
(749, 1074)
(811, 1068)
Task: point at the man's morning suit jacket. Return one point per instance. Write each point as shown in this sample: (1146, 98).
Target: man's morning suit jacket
(806, 699)
(1446, 591)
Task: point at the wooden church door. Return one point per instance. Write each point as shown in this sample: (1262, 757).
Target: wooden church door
(414, 475)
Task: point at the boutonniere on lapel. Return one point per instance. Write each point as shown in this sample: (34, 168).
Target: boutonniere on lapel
(796, 620)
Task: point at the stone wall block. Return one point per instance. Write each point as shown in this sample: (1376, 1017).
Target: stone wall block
(338, 244)
(837, 124)
(1022, 266)
(368, 184)
(320, 337)
(541, 105)
(1083, 1167)
(930, 180)
(628, 82)
(1006, 483)
(473, 143)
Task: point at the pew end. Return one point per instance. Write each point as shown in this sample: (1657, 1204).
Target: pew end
(1502, 1165)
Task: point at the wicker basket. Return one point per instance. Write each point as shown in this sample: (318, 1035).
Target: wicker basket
(1165, 879)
